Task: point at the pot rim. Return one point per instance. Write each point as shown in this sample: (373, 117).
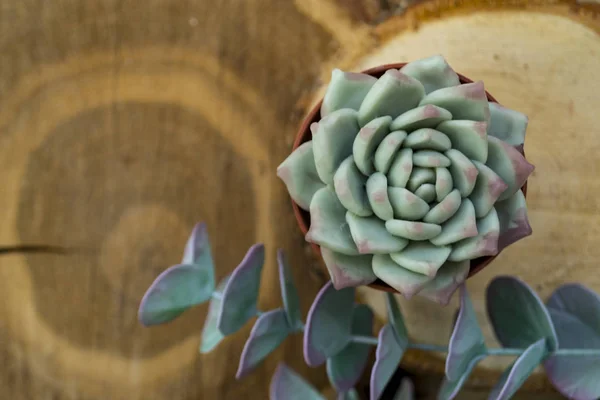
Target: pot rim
(303, 135)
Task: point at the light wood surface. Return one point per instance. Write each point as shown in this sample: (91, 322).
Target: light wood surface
(124, 122)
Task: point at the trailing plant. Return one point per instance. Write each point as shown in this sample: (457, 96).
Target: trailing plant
(563, 334)
(409, 177)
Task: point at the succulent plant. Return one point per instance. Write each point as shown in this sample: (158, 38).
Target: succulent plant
(410, 176)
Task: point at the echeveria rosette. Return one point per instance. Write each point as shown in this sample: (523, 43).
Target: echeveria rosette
(410, 176)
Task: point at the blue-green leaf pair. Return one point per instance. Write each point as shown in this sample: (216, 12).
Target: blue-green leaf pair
(273, 327)
(181, 286)
(392, 343)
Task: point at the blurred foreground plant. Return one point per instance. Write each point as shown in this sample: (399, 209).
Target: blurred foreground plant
(563, 334)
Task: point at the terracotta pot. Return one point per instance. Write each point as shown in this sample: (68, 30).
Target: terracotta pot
(304, 135)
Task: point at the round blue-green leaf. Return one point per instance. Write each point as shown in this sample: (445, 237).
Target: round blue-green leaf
(287, 385)
(388, 356)
(174, 291)
(345, 368)
(211, 336)
(575, 312)
(270, 329)
(291, 301)
(450, 389)
(328, 325)
(241, 292)
(467, 341)
(517, 314)
(396, 320)
(514, 377)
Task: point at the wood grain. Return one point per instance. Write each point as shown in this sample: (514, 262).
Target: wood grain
(124, 122)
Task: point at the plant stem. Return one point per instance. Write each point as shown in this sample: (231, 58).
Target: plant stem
(373, 341)
(217, 296)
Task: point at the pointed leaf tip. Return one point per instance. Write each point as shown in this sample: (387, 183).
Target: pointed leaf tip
(388, 356)
(345, 368)
(467, 341)
(328, 325)
(174, 291)
(241, 292)
(299, 174)
(269, 331)
(286, 382)
(514, 377)
(348, 271)
(289, 293)
(211, 336)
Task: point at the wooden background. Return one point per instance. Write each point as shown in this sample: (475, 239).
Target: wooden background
(124, 122)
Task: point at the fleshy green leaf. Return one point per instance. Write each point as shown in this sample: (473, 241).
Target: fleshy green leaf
(287, 385)
(467, 342)
(460, 226)
(428, 139)
(211, 336)
(241, 293)
(449, 277)
(412, 230)
(333, 141)
(406, 282)
(367, 141)
(430, 159)
(466, 101)
(420, 176)
(509, 164)
(507, 125)
(393, 94)
(289, 293)
(348, 271)
(433, 72)
(407, 205)
(371, 237)
(328, 325)
(299, 174)
(378, 196)
(387, 149)
(517, 315)
(401, 168)
(349, 184)
(450, 389)
(270, 329)
(514, 377)
(428, 116)
(484, 244)
(488, 188)
(174, 291)
(445, 209)
(422, 257)
(328, 227)
(345, 368)
(575, 312)
(346, 90)
(396, 320)
(463, 171)
(426, 192)
(388, 356)
(468, 137)
(443, 183)
(514, 224)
